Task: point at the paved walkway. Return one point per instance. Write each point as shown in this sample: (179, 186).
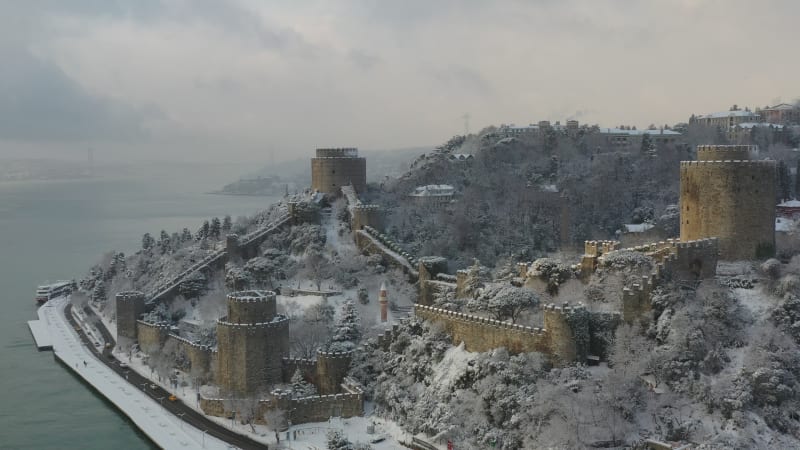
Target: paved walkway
(149, 409)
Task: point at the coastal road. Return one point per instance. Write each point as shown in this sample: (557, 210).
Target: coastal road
(178, 408)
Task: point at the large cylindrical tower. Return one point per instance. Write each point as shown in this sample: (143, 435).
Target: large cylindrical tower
(726, 195)
(251, 342)
(337, 167)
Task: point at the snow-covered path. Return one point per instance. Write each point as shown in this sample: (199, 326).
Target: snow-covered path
(150, 417)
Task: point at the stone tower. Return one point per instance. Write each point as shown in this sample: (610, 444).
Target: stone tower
(366, 215)
(130, 306)
(337, 167)
(725, 194)
(383, 300)
(251, 342)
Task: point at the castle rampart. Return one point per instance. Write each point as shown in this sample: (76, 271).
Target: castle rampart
(366, 216)
(317, 408)
(733, 199)
(151, 336)
(481, 334)
(336, 167)
(130, 306)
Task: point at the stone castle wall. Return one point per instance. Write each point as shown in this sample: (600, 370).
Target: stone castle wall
(201, 357)
(318, 408)
(369, 244)
(481, 334)
(366, 216)
(732, 200)
(151, 336)
(334, 168)
(130, 305)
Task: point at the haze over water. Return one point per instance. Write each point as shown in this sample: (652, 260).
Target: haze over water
(53, 230)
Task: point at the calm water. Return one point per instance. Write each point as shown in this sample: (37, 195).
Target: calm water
(58, 229)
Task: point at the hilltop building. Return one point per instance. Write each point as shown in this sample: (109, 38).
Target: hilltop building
(726, 119)
(333, 168)
(783, 113)
(433, 194)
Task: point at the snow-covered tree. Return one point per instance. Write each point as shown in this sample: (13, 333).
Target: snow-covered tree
(337, 441)
(505, 302)
(348, 329)
(215, 228)
(300, 387)
(193, 285)
(99, 292)
(263, 270)
(148, 242)
(227, 224)
(236, 278)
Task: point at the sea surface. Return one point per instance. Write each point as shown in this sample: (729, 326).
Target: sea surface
(52, 230)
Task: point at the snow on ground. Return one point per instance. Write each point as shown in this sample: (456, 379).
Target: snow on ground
(756, 300)
(162, 427)
(451, 367)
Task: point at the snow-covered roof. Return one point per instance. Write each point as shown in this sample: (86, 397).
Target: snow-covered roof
(720, 114)
(790, 204)
(758, 124)
(434, 190)
(637, 227)
(782, 106)
(549, 187)
(638, 132)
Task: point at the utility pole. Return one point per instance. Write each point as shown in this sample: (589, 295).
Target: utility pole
(466, 123)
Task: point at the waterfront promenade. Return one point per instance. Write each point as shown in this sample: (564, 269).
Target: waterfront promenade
(148, 413)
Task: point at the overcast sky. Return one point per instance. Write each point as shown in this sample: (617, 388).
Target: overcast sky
(214, 79)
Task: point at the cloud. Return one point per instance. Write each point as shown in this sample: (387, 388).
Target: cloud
(198, 76)
(39, 102)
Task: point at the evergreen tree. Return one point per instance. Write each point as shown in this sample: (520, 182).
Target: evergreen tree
(99, 291)
(148, 242)
(193, 286)
(164, 242)
(202, 233)
(186, 235)
(227, 224)
(215, 228)
(348, 329)
(301, 387)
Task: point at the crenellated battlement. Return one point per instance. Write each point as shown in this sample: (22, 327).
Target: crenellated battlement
(278, 322)
(254, 296)
(366, 207)
(421, 310)
(127, 296)
(337, 152)
(729, 162)
(725, 152)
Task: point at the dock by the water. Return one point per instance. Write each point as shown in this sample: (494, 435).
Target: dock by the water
(40, 334)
